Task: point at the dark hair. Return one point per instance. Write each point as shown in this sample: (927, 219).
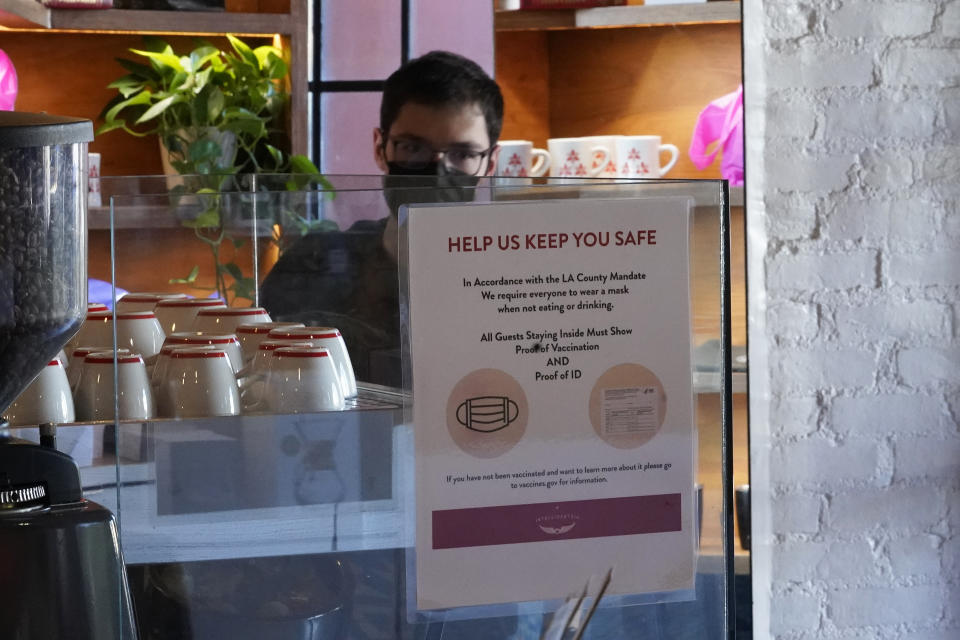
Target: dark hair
(439, 79)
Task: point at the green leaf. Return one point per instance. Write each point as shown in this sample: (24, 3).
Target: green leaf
(244, 51)
(202, 56)
(204, 151)
(254, 128)
(209, 219)
(127, 84)
(163, 60)
(244, 288)
(110, 126)
(191, 277)
(238, 242)
(233, 270)
(302, 164)
(138, 99)
(275, 155)
(272, 62)
(157, 109)
(140, 70)
(215, 104)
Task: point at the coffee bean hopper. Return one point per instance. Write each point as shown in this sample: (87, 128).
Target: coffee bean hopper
(61, 572)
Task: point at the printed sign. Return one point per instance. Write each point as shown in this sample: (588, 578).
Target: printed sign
(553, 411)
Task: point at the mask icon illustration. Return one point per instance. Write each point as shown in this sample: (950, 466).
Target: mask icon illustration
(487, 413)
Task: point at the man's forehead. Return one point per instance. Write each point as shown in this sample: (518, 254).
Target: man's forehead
(442, 125)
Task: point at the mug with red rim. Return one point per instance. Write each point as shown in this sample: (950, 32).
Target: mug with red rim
(145, 301)
(163, 361)
(46, 399)
(94, 392)
(199, 382)
(226, 341)
(179, 314)
(77, 358)
(140, 331)
(252, 378)
(302, 380)
(96, 331)
(252, 334)
(227, 319)
(329, 338)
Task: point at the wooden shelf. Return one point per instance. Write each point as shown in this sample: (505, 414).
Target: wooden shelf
(30, 14)
(724, 11)
(78, 31)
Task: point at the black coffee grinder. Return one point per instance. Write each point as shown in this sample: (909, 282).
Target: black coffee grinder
(61, 572)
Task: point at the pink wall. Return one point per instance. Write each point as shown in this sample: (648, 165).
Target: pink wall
(347, 134)
(360, 39)
(463, 26)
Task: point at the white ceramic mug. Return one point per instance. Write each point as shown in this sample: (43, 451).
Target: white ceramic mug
(518, 161)
(575, 158)
(145, 301)
(199, 382)
(77, 359)
(251, 335)
(94, 395)
(253, 377)
(140, 332)
(639, 157)
(46, 399)
(225, 341)
(303, 380)
(607, 163)
(227, 319)
(179, 314)
(328, 338)
(96, 331)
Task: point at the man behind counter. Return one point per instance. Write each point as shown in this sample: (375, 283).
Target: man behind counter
(440, 119)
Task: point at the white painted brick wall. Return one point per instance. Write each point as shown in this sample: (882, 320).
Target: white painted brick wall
(853, 205)
(906, 321)
(888, 606)
(916, 556)
(824, 271)
(867, 19)
(902, 414)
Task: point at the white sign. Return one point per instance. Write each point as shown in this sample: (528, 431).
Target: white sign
(553, 408)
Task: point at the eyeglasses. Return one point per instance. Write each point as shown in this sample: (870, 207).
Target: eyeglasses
(414, 154)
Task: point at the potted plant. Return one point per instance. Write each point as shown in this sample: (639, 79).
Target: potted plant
(214, 111)
(216, 114)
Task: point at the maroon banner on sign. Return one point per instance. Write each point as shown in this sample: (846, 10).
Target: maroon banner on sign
(484, 526)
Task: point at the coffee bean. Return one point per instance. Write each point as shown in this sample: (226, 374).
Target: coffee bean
(43, 283)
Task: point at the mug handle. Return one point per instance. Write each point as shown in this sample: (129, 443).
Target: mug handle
(252, 396)
(541, 162)
(674, 152)
(595, 171)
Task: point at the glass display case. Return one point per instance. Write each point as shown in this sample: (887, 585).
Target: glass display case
(285, 524)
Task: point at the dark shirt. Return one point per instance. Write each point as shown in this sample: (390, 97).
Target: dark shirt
(343, 279)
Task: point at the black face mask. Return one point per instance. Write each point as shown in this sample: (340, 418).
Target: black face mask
(432, 183)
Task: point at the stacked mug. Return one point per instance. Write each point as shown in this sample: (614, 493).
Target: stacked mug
(612, 157)
(300, 369)
(180, 357)
(626, 157)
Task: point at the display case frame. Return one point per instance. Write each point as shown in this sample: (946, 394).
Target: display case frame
(374, 443)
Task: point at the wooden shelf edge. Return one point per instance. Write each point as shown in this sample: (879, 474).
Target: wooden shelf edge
(30, 14)
(723, 11)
